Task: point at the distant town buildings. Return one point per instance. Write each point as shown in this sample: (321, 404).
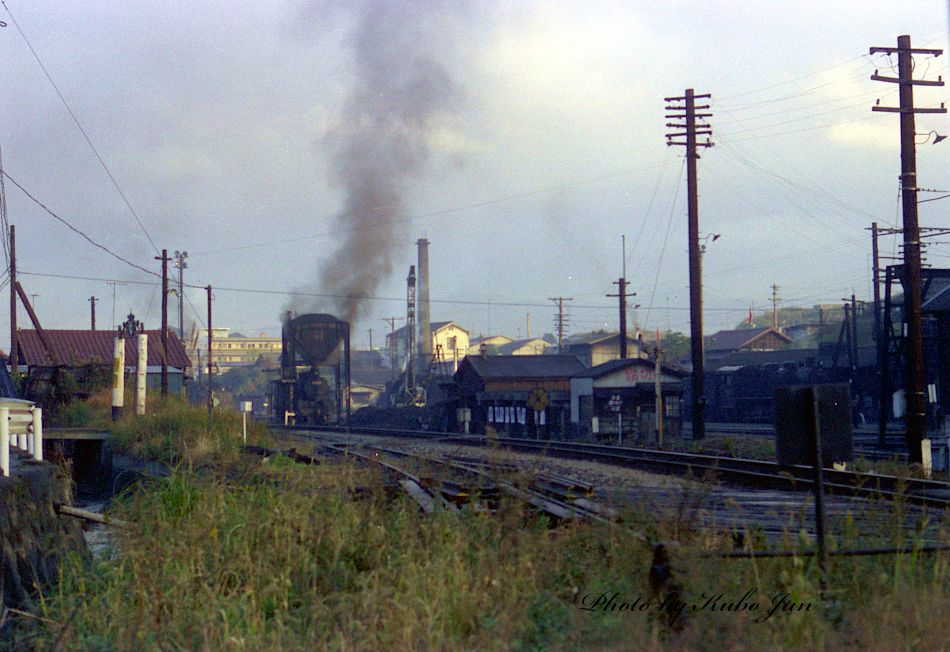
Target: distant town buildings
(229, 350)
(448, 339)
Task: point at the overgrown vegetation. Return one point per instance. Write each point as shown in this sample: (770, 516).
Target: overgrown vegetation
(262, 555)
(175, 432)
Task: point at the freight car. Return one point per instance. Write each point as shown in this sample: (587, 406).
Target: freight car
(314, 385)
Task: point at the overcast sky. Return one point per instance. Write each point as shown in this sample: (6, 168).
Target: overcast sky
(523, 139)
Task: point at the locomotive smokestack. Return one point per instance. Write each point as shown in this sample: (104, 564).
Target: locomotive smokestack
(425, 325)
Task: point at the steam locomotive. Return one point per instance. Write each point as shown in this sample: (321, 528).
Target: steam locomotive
(314, 371)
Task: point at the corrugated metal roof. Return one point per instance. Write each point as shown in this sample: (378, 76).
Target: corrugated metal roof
(525, 366)
(80, 347)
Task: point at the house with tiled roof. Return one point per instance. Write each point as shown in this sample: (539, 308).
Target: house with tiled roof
(518, 394)
(721, 344)
(95, 350)
(597, 347)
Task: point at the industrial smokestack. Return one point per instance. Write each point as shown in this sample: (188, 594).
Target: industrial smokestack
(425, 325)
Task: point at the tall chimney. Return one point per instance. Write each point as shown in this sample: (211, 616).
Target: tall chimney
(424, 341)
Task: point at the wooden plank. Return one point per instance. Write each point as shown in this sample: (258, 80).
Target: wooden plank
(426, 502)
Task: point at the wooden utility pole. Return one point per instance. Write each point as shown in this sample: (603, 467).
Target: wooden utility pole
(180, 263)
(684, 111)
(658, 389)
(914, 390)
(560, 321)
(774, 306)
(92, 311)
(622, 295)
(164, 258)
(14, 353)
(210, 357)
(880, 397)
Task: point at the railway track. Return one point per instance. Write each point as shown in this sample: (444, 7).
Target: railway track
(746, 513)
(756, 473)
(447, 485)
(866, 443)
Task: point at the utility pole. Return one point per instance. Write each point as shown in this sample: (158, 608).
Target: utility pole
(210, 357)
(880, 397)
(561, 321)
(164, 258)
(622, 295)
(914, 390)
(371, 339)
(684, 111)
(180, 263)
(14, 354)
(92, 311)
(854, 330)
(774, 306)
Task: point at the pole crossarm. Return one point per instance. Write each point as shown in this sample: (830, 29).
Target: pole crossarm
(896, 109)
(909, 50)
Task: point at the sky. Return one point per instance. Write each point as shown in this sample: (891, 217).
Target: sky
(297, 150)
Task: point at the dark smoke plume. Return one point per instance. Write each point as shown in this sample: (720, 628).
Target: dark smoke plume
(380, 144)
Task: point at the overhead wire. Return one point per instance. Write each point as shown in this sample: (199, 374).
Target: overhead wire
(76, 230)
(324, 295)
(669, 226)
(81, 129)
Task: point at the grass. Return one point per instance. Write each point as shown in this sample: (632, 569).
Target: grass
(175, 432)
(281, 556)
(233, 552)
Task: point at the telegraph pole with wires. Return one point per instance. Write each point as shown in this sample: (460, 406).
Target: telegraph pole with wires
(165, 260)
(561, 321)
(181, 266)
(92, 311)
(774, 306)
(683, 110)
(914, 389)
(622, 295)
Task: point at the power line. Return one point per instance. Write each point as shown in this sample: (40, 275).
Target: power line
(461, 302)
(666, 238)
(74, 229)
(81, 130)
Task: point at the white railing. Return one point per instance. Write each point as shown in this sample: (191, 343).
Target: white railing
(21, 427)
